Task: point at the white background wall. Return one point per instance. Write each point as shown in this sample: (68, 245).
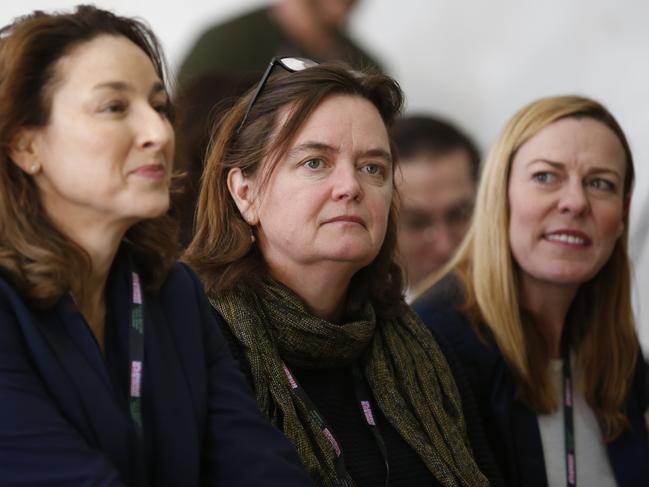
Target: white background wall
(475, 62)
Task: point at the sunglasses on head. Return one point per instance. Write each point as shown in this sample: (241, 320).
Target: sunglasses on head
(290, 64)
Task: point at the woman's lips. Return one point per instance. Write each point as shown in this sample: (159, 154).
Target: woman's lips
(151, 171)
(346, 219)
(568, 237)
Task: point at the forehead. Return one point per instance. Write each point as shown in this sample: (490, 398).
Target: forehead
(101, 58)
(576, 141)
(436, 181)
(342, 120)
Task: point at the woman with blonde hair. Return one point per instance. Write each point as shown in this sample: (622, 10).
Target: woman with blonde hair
(295, 243)
(537, 303)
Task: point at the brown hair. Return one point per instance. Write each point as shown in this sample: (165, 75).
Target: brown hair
(221, 252)
(39, 259)
(428, 135)
(601, 318)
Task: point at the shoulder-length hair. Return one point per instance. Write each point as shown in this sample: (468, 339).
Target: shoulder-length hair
(35, 255)
(600, 317)
(221, 251)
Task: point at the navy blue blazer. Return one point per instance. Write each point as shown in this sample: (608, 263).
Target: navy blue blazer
(511, 427)
(64, 418)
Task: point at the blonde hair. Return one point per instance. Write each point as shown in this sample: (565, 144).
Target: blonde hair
(601, 316)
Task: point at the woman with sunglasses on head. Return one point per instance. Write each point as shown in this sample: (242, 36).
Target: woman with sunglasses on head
(295, 243)
(113, 371)
(537, 302)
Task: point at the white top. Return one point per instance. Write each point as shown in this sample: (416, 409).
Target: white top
(593, 467)
(409, 295)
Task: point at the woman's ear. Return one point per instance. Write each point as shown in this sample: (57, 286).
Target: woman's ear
(242, 190)
(22, 151)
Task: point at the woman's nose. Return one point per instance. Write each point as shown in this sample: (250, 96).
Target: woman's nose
(346, 184)
(154, 129)
(573, 199)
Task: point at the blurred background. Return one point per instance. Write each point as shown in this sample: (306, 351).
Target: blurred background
(474, 63)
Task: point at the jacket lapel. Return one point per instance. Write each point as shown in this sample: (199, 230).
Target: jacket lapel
(629, 453)
(87, 397)
(518, 431)
(171, 404)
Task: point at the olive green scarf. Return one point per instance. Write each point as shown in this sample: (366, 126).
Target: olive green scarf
(403, 365)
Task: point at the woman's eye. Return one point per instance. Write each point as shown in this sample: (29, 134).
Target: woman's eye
(544, 177)
(162, 107)
(114, 107)
(602, 184)
(313, 163)
(373, 169)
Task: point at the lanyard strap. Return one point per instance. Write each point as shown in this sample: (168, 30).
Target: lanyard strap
(136, 352)
(363, 398)
(568, 422)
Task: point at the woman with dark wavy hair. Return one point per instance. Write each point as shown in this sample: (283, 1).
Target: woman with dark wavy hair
(112, 368)
(295, 242)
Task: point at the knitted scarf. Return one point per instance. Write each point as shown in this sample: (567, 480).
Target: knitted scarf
(401, 361)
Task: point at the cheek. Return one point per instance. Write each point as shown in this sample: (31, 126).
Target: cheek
(382, 201)
(527, 212)
(518, 219)
(611, 222)
(407, 242)
(284, 212)
(522, 217)
(380, 211)
(94, 162)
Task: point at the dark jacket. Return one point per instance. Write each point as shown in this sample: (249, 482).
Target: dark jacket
(511, 427)
(64, 417)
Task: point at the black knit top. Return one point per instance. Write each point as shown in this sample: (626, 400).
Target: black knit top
(332, 392)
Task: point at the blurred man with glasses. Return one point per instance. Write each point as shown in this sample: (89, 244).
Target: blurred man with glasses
(437, 181)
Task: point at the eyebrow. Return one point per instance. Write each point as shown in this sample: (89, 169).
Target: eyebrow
(561, 165)
(157, 86)
(319, 146)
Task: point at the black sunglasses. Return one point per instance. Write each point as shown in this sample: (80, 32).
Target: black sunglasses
(290, 64)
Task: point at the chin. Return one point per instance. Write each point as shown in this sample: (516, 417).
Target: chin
(359, 256)
(573, 278)
(152, 208)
